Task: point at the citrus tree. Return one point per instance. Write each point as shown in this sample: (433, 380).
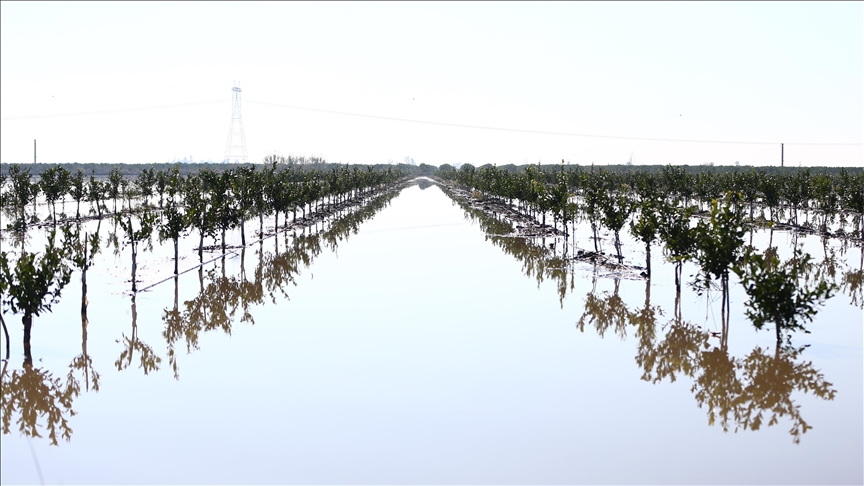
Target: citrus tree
(776, 292)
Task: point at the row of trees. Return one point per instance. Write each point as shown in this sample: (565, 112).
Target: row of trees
(565, 192)
(36, 395)
(30, 282)
(739, 392)
(57, 184)
(209, 202)
(776, 292)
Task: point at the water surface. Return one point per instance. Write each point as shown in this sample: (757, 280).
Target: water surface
(416, 350)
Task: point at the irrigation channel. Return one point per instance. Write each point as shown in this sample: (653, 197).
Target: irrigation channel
(419, 336)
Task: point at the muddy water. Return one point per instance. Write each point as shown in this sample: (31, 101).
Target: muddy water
(410, 344)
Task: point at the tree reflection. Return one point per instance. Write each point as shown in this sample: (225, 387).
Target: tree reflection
(219, 300)
(539, 261)
(645, 322)
(770, 382)
(738, 393)
(35, 395)
(852, 284)
(832, 270)
(605, 313)
(82, 254)
(174, 321)
(717, 385)
(148, 360)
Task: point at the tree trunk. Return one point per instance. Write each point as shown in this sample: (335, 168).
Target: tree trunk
(27, 320)
(134, 267)
(175, 256)
(648, 259)
(6, 333)
(84, 323)
(84, 293)
(134, 337)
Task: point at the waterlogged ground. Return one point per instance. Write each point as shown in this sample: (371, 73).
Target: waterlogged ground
(407, 343)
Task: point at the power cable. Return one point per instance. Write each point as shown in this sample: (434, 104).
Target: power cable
(492, 105)
(119, 110)
(538, 132)
(112, 92)
(429, 122)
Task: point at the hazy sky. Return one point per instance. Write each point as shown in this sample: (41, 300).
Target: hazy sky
(151, 82)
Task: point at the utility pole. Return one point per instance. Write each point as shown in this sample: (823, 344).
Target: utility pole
(781, 155)
(34, 151)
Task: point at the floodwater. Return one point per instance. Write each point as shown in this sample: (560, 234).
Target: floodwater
(407, 343)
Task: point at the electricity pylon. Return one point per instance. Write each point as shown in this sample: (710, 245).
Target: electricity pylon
(236, 149)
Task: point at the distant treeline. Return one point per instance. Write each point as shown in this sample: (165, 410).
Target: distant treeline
(185, 168)
(656, 169)
(132, 170)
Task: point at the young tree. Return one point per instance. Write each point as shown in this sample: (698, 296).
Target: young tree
(777, 293)
(115, 182)
(33, 284)
(96, 193)
(679, 239)
(198, 209)
(616, 209)
(144, 182)
(719, 245)
(277, 188)
(133, 237)
(51, 182)
(161, 180)
(827, 199)
(646, 227)
(770, 187)
(222, 201)
(21, 192)
(852, 189)
(77, 191)
(592, 200)
(260, 202)
(244, 185)
(172, 226)
(175, 183)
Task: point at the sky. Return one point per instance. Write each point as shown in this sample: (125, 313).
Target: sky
(455, 82)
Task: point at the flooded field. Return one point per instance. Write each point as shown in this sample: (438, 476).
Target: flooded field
(415, 340)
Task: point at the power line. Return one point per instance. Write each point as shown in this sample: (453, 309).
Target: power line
(119, 110)
(68, 95)
(428, 122)
(536, 132)
(495, 105)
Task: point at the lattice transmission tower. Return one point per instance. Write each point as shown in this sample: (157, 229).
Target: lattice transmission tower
(236, 149)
